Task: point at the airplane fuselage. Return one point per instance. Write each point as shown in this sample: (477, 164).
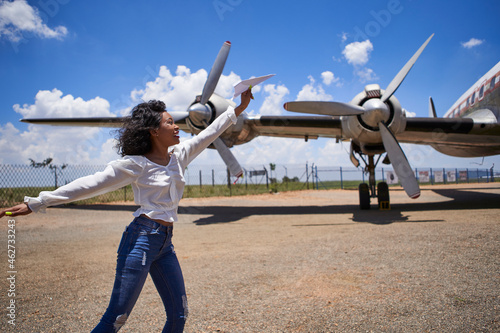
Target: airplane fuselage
(481, 103)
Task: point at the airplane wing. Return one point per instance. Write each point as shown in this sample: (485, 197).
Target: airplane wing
(83, 122)
(113, 122)
(277, 126)
(461, 137)
(449, 135)
(302, 127)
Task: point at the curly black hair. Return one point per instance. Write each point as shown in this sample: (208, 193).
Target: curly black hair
(134, 137)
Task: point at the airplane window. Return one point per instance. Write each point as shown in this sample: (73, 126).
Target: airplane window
(472, 100)
(492, 83)
(467, 104)
(481, 92)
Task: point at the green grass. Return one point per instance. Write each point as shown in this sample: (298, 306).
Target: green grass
(12, 196)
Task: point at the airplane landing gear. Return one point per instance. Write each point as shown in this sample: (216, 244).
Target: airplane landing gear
(383, 196)
(364, 196)
(371, 190)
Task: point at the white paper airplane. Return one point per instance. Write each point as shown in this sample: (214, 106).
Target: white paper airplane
(245, 84)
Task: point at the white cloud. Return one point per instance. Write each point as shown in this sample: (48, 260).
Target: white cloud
(178, 91)
(74, 145)
(273, 103)
(366, 74)
(329, 78)
(409, 114)
(225, 86)
(313, 92)
(472, 43)
(64, 144)
(51, 104)
(358, 53)
(343, 37)
(18, 17)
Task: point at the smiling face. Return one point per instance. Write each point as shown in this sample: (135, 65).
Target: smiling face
(167, 134)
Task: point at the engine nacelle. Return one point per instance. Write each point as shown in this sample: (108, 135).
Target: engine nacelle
(364, 128)
(200, 114)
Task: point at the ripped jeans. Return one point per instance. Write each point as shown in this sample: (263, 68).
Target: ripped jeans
(146, 247)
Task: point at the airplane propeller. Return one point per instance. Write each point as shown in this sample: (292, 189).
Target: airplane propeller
(200, 114)
(375, 113)
(215, 73)
(398, 79)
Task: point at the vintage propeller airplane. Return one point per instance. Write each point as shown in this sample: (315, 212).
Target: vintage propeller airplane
(373, 121)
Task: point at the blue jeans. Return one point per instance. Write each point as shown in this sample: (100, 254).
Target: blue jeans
(146, 247)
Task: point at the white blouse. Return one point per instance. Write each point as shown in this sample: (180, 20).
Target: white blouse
(157, 188)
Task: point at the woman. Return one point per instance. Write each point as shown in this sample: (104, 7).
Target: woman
(156, 172)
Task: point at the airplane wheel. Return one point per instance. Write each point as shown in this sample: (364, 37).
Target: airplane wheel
(383, 196)
(364, 196)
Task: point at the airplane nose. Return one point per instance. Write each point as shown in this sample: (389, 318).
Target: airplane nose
(199, 114)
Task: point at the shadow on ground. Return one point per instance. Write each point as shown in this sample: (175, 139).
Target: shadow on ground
(460, 199)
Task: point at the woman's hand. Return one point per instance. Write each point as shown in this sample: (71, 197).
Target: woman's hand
(21, 209)
(246, 96)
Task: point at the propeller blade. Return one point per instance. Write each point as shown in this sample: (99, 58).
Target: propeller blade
(178, 115)
(432, 109)
(115, 122)
(328, 108)
(399, 162)
(228, 158)
(396, 82)
(215, 73)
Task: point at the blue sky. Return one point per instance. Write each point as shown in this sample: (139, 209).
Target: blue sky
(99, 58)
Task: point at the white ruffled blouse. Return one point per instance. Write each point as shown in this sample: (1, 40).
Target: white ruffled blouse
(157, 188)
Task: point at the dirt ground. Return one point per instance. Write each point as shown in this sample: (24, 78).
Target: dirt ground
(307, 261)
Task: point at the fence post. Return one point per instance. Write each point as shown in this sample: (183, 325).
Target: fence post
(317, 178)
(307, 176)
(213, 178)
(341, 180)
(200, 179)
(432, 177)
(267, 179)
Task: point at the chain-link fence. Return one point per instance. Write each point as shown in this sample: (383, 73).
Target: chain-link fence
(17, 181)
(349, 178)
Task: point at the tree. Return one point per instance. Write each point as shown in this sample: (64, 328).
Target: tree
(48, 162)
